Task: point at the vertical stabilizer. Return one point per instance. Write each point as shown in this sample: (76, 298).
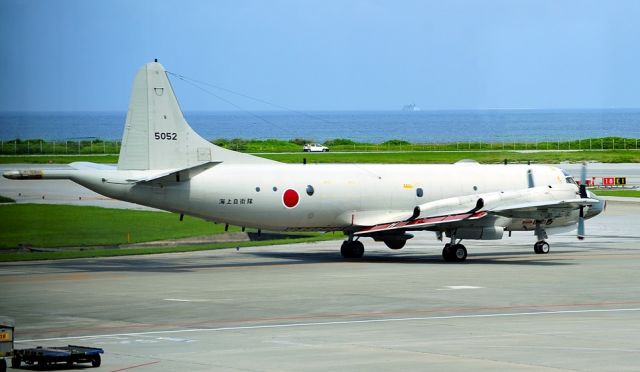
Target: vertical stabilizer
(156, 135)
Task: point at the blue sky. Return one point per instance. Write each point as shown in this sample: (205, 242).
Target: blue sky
(324, 55)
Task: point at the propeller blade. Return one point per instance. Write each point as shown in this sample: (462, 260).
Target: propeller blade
(583, 191)
(584, 195)
(583, 181)
(581, 224)
(530, 182)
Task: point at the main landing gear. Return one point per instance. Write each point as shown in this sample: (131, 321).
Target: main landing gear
(352, 248)
(454, 252)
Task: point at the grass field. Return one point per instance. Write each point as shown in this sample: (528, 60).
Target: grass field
(623, 193)
(47, 226)
(41, 225)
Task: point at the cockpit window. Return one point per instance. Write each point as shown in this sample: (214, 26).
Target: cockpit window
(568, 178)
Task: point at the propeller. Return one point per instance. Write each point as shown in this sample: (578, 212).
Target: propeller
(583, 195)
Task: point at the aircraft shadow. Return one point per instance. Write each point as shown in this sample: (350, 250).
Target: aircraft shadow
(181, 264)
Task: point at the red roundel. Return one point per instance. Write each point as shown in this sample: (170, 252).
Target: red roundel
(290, 198)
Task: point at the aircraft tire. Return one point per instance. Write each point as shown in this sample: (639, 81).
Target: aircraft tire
(358, 249)
(544, 248)
(454, 253)
(345, 250)
(541, 247)
(458, 252)
(446, 253)
(536, 248)
(353, 249)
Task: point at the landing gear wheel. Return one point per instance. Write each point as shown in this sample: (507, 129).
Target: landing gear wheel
(15, 362)
(454, 253)
(352, 249)
(458, 252)
(3, 365)
(446, 255)
(541, 247)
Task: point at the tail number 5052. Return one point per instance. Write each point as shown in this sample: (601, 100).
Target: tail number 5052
(171, 136)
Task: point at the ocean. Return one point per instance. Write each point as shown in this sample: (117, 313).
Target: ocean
(361, 126)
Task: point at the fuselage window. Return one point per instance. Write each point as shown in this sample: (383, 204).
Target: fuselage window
(275, 188)
(419, 192)
(310, 190)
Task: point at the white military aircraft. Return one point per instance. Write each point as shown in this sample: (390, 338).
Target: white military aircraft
(164, 164)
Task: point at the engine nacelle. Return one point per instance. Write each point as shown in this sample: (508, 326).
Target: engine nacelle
(393, 241)
(480, 233)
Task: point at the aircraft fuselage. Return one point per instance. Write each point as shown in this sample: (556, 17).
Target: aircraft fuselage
(326, 197)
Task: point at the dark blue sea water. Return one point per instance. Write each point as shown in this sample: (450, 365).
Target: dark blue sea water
(363, 126)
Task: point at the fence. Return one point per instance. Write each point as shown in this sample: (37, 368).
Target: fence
(96, 147)
(593, 144)
(71, 147)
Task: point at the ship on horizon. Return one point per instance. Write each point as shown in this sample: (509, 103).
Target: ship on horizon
(410, 107)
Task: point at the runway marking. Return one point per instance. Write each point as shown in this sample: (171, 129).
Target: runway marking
(339, 322)
(136, 366)
(10, 272)
(363, 314)
(185, 300)
(457, 287)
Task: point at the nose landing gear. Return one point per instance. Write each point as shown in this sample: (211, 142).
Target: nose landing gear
(541, 247)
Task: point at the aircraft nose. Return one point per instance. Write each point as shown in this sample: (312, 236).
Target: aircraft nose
(596, 209)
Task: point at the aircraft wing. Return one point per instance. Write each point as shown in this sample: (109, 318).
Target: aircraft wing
(421, 223)
(532, 210)
(542, 209)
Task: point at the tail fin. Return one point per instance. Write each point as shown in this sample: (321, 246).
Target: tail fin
(156, 135)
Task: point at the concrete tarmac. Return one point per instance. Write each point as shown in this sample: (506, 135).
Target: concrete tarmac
(302, 307)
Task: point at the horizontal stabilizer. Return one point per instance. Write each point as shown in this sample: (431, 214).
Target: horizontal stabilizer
(175, 175)
(30, 174)
(85, 165)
